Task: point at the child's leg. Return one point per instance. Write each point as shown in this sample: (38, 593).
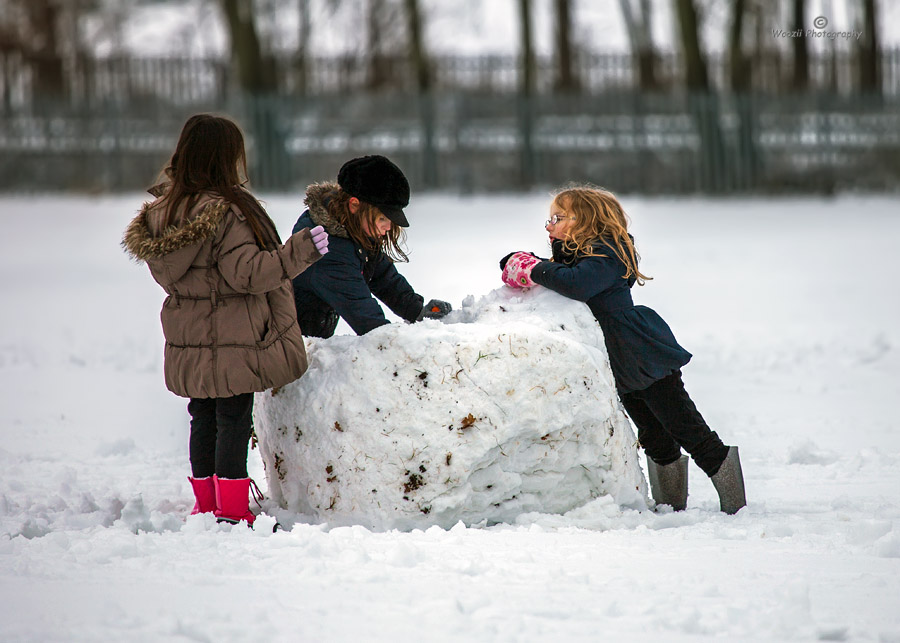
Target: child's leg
(673, 407)
(202, 446)
(233, 420)
(656, 441)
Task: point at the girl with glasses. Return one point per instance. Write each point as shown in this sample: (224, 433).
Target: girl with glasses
(594, 261)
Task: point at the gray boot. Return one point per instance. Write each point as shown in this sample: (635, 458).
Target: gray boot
(729, 483)
(669, 483)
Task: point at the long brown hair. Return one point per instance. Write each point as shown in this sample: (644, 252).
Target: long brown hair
(210, 157)
(392, 244)
(598, 215)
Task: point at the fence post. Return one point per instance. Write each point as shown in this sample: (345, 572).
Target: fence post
(429, 147)
(712, 161)
(526, 147)
(271, 162)
(747, 167)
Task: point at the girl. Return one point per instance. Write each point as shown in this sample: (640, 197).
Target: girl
(363, 213)
(594, 261)
(229, 319)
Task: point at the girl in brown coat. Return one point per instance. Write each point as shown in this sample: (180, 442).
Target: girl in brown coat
(229, 319)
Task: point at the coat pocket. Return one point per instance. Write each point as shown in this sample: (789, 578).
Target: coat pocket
(259, 320)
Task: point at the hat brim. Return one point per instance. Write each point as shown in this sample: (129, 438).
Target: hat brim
(395, 214)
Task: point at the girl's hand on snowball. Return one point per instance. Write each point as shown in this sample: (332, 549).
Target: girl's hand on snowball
(517, 271)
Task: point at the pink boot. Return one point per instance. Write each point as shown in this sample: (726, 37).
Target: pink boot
(205, 493)
(233, 500)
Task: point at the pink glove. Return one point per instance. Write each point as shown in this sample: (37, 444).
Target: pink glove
(517, 273)
(320, 239)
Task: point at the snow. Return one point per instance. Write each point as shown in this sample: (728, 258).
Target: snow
(789, 307)
(506, 407)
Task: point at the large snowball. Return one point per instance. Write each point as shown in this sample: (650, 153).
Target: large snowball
(506, 407)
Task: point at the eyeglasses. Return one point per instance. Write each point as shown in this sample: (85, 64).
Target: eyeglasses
(556, 218)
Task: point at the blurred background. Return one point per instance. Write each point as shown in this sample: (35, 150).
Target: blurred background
(642, 96)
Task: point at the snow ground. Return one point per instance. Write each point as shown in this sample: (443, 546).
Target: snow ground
(789, 307)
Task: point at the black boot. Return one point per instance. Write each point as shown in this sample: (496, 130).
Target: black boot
(729, 483)
(669, 483)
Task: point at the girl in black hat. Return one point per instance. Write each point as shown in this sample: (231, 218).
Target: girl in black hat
(363, 214)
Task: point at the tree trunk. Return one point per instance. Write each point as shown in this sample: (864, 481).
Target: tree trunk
(254, 76)
(419, 60)
(713, 169)
(696, 78)
(737, 58)
(526, 88)
(302, 57)
(869, 62)
(801, 48)
(46, 55)
(641, 39)
(378, 63)
(565, 74)
(416, 48)
(527, 51)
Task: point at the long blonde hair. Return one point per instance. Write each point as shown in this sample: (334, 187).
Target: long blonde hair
(598, 216)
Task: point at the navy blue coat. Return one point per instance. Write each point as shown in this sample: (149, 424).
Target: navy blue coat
(642, 348)
(345, 282)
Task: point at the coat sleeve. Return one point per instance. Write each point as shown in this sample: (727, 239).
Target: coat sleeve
(247, 268)
(392, 288)
(338, 281)
(581, 281)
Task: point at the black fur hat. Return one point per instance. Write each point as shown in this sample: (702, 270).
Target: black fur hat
(374, 179)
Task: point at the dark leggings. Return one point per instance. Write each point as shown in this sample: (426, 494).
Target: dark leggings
(667, 420)
(220, 433)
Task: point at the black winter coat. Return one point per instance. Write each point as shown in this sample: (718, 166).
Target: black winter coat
(347, 279)
(642, 348)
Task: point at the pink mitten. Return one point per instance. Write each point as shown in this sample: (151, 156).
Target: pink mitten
(320, 239)
(517, 273)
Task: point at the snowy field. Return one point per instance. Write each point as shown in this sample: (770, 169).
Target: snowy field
(790, 308)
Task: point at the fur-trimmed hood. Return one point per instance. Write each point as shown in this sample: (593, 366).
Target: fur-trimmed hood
(229, 321)
(170, 251)
(317, 196)
(144, 238)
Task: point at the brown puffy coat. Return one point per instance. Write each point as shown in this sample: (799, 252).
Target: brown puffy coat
(229, 321)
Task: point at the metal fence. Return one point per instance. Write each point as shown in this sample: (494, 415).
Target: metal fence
(202, 81)
(629, 141)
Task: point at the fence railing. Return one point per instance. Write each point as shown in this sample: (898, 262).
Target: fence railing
(194, 81)
(628, 141)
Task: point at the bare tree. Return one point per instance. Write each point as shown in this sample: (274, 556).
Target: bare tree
(526, 42)
(637, 16)
(421, 68)
(45, 39)
(712, 174)
(384, 40)
(32, 29)
(526, 89)
(254, 74)
(800, 46)
(696, 78)
(302, 54)
(416, 48)
(738, 65)
(869, 56)
(565, 73)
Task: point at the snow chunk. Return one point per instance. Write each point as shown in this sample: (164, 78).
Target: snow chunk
(808, 452)
(506, 407)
